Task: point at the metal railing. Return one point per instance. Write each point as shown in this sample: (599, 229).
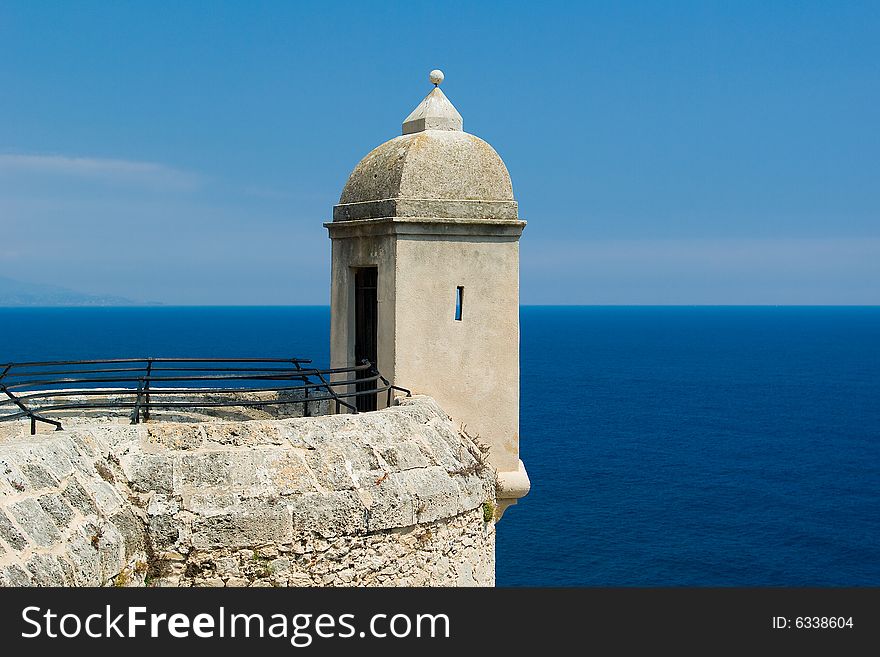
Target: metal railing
(30, 390)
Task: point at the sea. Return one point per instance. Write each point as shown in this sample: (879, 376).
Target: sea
(667, 446)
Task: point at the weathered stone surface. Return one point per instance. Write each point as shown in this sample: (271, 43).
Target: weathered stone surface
(330, 468)
(38, 476)
(404, 456)
(389, 502)
(46, 570)
(14, 575)
(454, 552)
(255, 522)
(12, 479)
(435, 494)
(181, 437)
(132, 531)
(104, 494)
(148, 472)
(163, 531)
(84, 550)
(385, 498)
(201, 469)
(328, 514)
(269, 472)
(36, 523)
(57, 508)
(10, 534)
(79, 498)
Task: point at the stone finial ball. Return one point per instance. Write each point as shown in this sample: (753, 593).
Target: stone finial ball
(436, 76)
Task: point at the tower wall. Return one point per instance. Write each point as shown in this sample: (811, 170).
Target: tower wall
(470, 365)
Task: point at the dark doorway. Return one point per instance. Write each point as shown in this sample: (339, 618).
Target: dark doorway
(365, 331)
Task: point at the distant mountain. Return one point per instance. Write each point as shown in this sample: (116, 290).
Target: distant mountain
(17, 293)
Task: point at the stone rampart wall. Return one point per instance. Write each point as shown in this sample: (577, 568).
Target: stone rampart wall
(394, 497)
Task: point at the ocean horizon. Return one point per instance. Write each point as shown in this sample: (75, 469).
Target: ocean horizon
(667, 445)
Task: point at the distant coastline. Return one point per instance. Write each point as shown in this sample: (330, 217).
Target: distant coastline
(19, 294)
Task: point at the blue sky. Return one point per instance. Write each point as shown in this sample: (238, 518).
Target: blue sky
(662, 153)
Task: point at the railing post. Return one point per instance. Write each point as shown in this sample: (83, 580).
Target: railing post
(305, 380)
(147, 390)
(135, 416)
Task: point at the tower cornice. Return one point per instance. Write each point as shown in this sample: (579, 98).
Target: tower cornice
(468, 209)
(426, 226)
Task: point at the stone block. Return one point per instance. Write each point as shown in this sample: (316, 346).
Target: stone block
(45, 570)
(164, 531)
(328, 514)
(211, 502)
(330, 468)
(35, 522)
(104, 494)
(38, 476)
(203, 469)
(210, 582)
(176, 436)
(131, 529)
(79, 498)
(12, 476)
(83, 548)
(61, 454)
(436, 495)
(286, 472)
(260, 472)
(446, 431)
(358, 453)
(227, 565)
(473, 491)
(438, 450)
(14, 575)
(279, 566)
(305, 433)
(110, 547)
(390, 503)
(404, 456)
(57, 508)
(253, 523)
(14, 538)
(148, 472)
(68, 570)
(300, 579)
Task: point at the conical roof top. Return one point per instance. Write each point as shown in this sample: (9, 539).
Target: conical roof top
(435, 112)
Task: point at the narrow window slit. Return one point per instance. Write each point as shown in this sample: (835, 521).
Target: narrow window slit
(459, 302)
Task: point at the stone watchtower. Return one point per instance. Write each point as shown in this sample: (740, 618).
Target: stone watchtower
(425, 277)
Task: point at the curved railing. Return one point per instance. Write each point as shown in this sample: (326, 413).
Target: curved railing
(31, 390)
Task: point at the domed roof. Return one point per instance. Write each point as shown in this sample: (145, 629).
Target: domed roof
(433, 169)
(433, 164)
